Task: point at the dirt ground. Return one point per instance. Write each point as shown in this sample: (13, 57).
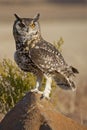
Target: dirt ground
(68, 21)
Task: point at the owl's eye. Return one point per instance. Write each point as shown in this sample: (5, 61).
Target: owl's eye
(21, 25)
(32, 25)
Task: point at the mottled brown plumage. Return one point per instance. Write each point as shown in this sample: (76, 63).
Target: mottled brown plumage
(34, 54)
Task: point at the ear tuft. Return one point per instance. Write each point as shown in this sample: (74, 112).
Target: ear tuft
(36, 18)
(17, 17)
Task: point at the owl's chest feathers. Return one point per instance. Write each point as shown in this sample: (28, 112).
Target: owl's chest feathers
(23, 49)
(23, 59)
(22, 54)
(23, 43)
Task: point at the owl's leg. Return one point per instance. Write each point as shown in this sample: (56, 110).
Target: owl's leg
(38, 85)
(47, 90)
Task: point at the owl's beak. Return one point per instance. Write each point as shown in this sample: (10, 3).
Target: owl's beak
(17, 17)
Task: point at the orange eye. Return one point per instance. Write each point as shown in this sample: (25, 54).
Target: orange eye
(32, 25)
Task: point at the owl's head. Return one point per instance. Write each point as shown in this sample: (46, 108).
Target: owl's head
(26, 28)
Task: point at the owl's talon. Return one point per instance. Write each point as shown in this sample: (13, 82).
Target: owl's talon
(45, 96)
(36, 91)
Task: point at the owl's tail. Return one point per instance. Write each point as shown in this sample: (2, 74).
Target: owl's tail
(64, 82)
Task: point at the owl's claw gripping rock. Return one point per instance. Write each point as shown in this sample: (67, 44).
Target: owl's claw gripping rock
(44, 96)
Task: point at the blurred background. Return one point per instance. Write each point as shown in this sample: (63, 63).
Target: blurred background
(58, 18)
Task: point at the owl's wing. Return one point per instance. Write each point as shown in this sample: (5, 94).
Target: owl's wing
(50, 61)
(47, 58)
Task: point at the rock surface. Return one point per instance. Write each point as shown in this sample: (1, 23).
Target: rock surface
(33, 113)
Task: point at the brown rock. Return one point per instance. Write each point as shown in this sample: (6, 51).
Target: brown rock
(33, 113)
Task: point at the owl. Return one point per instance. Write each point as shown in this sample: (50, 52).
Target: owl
(34, 54)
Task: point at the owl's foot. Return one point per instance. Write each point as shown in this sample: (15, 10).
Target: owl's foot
(45, 95)
(36, 91)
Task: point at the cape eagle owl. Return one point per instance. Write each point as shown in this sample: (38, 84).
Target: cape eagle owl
(34, 54)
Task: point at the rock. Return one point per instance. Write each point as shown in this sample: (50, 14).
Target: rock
(1, 116)
(33, 113)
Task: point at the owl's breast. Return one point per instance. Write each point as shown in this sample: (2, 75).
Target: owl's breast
(24, 62)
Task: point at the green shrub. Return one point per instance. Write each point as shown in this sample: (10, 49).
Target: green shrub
(14, 83)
